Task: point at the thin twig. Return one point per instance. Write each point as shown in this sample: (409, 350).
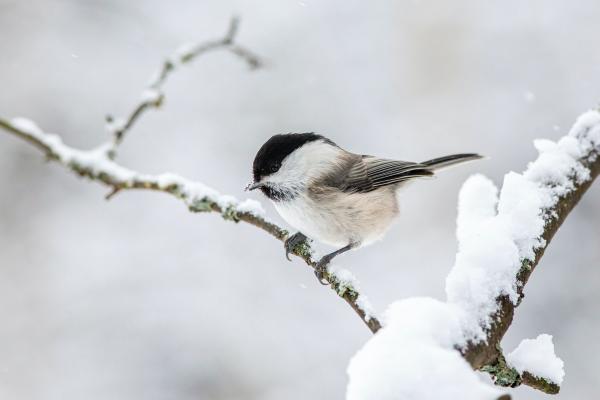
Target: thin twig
(112, 193)
(153, 96)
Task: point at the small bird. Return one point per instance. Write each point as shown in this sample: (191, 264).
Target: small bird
(339, 198)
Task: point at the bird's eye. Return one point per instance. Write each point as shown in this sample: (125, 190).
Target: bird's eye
(273, 168)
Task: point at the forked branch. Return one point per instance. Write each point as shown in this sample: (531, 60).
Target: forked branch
(99, 165)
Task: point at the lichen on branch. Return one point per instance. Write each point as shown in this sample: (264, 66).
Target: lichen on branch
(99, 164)
(502, 236)
(502, 239)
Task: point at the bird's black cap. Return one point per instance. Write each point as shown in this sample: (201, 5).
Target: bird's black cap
(270, 156)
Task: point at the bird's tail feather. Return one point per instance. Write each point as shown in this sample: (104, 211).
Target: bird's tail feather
(448, 161)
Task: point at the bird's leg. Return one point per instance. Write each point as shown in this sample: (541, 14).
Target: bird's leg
(291, 243)
(321, 267)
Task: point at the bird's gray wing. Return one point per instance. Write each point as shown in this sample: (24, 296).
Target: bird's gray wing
(368, 173)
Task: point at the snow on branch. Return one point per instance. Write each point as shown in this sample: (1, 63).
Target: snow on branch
(502, 237)
(153, 96)
(428, 348)
(536, 358)
(98, 165)
(534, 205)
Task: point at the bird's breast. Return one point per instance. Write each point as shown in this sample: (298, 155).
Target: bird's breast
(338, 218)
(311, 219)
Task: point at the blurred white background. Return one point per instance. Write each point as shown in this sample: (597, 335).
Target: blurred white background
(138, 299)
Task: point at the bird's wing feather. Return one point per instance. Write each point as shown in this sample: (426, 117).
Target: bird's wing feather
(368, 173)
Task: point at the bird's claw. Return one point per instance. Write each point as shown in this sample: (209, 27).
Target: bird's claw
(291, 243)
(297, 239)
(321, 270)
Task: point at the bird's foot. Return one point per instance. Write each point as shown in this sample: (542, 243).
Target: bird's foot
(321, 269)
(292, 242)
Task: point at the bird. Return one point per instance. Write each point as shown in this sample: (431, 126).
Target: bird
(334, 196)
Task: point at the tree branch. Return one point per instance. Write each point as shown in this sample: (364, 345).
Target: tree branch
(502, 236)
(99, 165)
(507, 376)
(488, 355)
(153, 97)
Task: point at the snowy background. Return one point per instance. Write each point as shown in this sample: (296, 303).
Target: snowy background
(136, 298)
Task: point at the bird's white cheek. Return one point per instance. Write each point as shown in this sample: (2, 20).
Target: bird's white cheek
(307, 163)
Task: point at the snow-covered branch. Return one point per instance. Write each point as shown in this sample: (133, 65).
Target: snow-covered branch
(428, 348)
(502, 237)
(501, 240)
(99, 165)
(153, 96)
(533, 206)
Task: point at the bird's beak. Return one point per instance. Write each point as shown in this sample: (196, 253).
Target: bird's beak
(254, 185)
